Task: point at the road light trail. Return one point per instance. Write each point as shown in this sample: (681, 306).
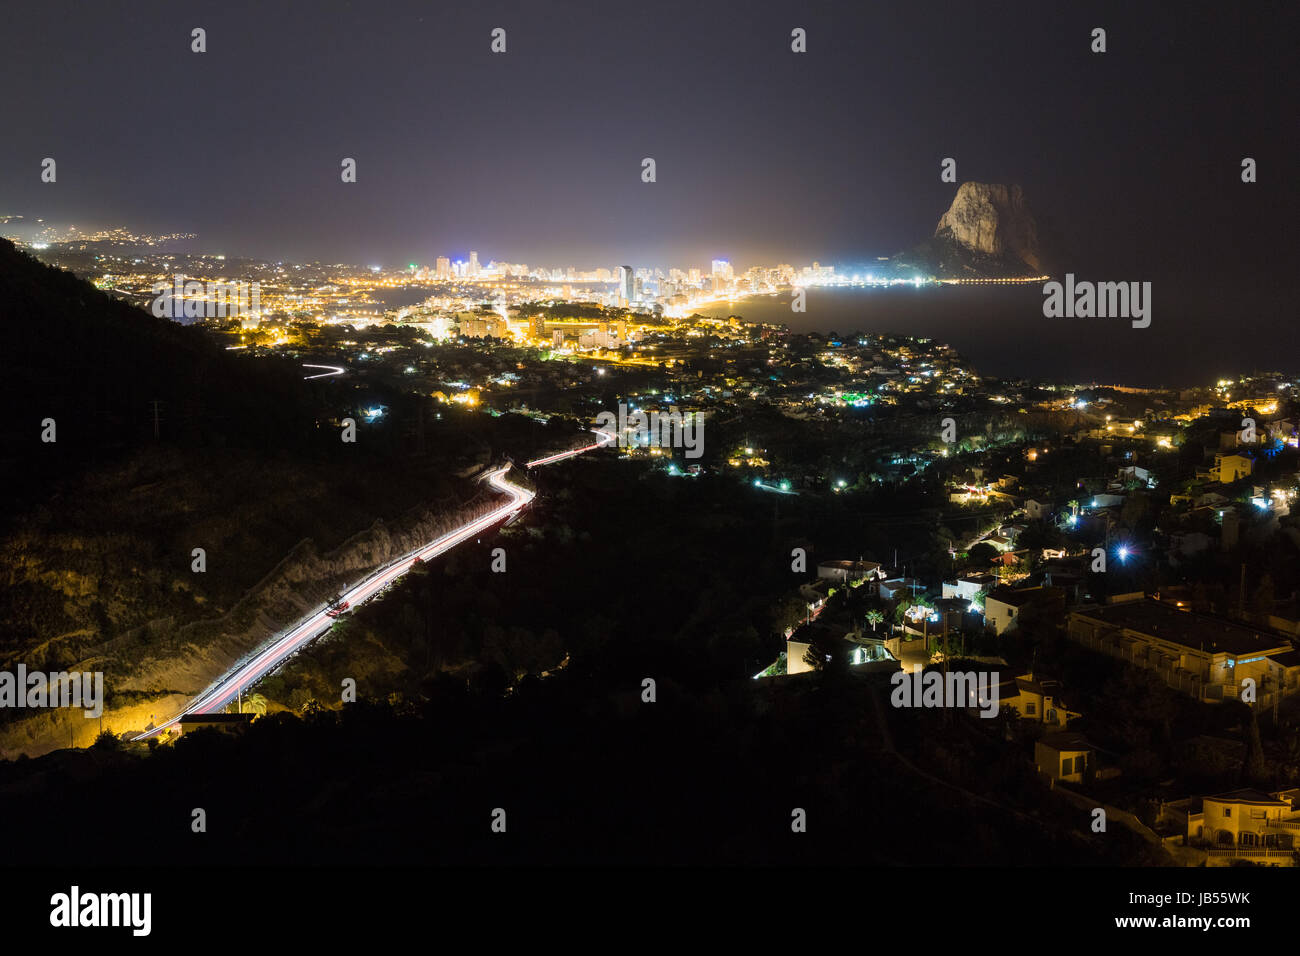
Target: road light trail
(246, 673)
(333, 370)
(606, 438)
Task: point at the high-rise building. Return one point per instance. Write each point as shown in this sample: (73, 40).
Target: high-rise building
(721, 270)
(444, 268)
(626, 280)
(482, 325)
(473, 264)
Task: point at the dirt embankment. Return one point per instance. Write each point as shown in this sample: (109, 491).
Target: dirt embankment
(152, 670)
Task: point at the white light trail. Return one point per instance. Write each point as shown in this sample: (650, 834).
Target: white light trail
(333, 370)
(606, 438)
(245, 674)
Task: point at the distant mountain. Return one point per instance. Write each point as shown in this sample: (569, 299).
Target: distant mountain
(987, 232)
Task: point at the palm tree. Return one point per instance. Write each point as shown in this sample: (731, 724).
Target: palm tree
(256, 705)
(875, 617)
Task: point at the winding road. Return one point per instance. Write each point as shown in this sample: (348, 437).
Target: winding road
(249, 671)
(331, 370)
(606, 438)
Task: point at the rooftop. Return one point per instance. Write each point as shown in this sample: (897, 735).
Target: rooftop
(1246, 795)
(1066, 741)
(851, 565)
(1013, 597)
(1187, 628)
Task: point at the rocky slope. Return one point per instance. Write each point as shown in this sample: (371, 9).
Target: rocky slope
(987, 232)
(153, 669)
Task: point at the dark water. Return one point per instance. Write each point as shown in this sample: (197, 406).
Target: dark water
(1195, 337)
(403, 295)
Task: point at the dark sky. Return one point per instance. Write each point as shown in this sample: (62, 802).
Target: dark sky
(1130, 159)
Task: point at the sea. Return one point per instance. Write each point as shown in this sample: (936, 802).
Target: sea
(1195, 337)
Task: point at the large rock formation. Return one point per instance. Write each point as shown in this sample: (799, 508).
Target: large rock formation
(987, 232)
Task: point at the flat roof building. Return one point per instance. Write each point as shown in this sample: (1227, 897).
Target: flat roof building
(1207, 657)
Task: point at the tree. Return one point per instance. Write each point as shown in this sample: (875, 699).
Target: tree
(875, 617)
(1136, 507)
(826, 655)
(256, 704)
(905, 605)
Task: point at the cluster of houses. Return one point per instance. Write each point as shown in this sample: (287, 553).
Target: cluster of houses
(1208, 658)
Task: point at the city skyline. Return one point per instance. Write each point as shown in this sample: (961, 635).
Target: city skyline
(802, 153)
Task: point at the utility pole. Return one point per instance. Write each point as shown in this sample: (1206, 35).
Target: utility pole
(1241, 598)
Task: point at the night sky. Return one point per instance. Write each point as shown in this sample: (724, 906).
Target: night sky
(1130, 159)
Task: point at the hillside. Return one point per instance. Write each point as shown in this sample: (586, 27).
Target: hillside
(98, 528)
